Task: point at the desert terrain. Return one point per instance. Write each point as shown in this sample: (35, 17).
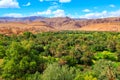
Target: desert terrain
(35, 24)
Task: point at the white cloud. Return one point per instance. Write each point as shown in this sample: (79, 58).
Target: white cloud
(86, 10)
(50, 13)
(47, 12)
(59, 13)
(48, 0)
(73, 15)
(53, 7)
(112, 5)
(41, 0)
(54, 3)
(28, 4)
(102, 14)
(115, 13)
(61, 1)
(9, 4)
(13, 15)
(64, 1)
(51, 0)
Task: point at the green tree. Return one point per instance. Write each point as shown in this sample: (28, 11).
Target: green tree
(21, 58)
(2, 51)
(89, 77)
(57, 72)
(118, 50)
(36, 76)
(105, 70)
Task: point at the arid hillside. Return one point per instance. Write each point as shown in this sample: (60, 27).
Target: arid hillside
(20, 27)
(40, 24)
(102, 27)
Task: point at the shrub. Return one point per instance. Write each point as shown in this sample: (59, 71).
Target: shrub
(104, 70)
(36, 76)
(57, 72)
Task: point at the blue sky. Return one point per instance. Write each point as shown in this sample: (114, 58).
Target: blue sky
(60, 8)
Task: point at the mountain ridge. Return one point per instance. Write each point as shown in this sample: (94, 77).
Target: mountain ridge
(35, 24)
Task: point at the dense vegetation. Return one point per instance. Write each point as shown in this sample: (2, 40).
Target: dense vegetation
(66, 55)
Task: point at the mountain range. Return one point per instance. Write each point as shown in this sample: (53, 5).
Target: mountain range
(35, 24)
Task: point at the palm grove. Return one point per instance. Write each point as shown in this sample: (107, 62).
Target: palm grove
(65, 55)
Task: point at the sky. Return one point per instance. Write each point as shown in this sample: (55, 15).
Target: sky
(60, 8)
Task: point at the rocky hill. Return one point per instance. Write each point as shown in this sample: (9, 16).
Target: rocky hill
(10, 25)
